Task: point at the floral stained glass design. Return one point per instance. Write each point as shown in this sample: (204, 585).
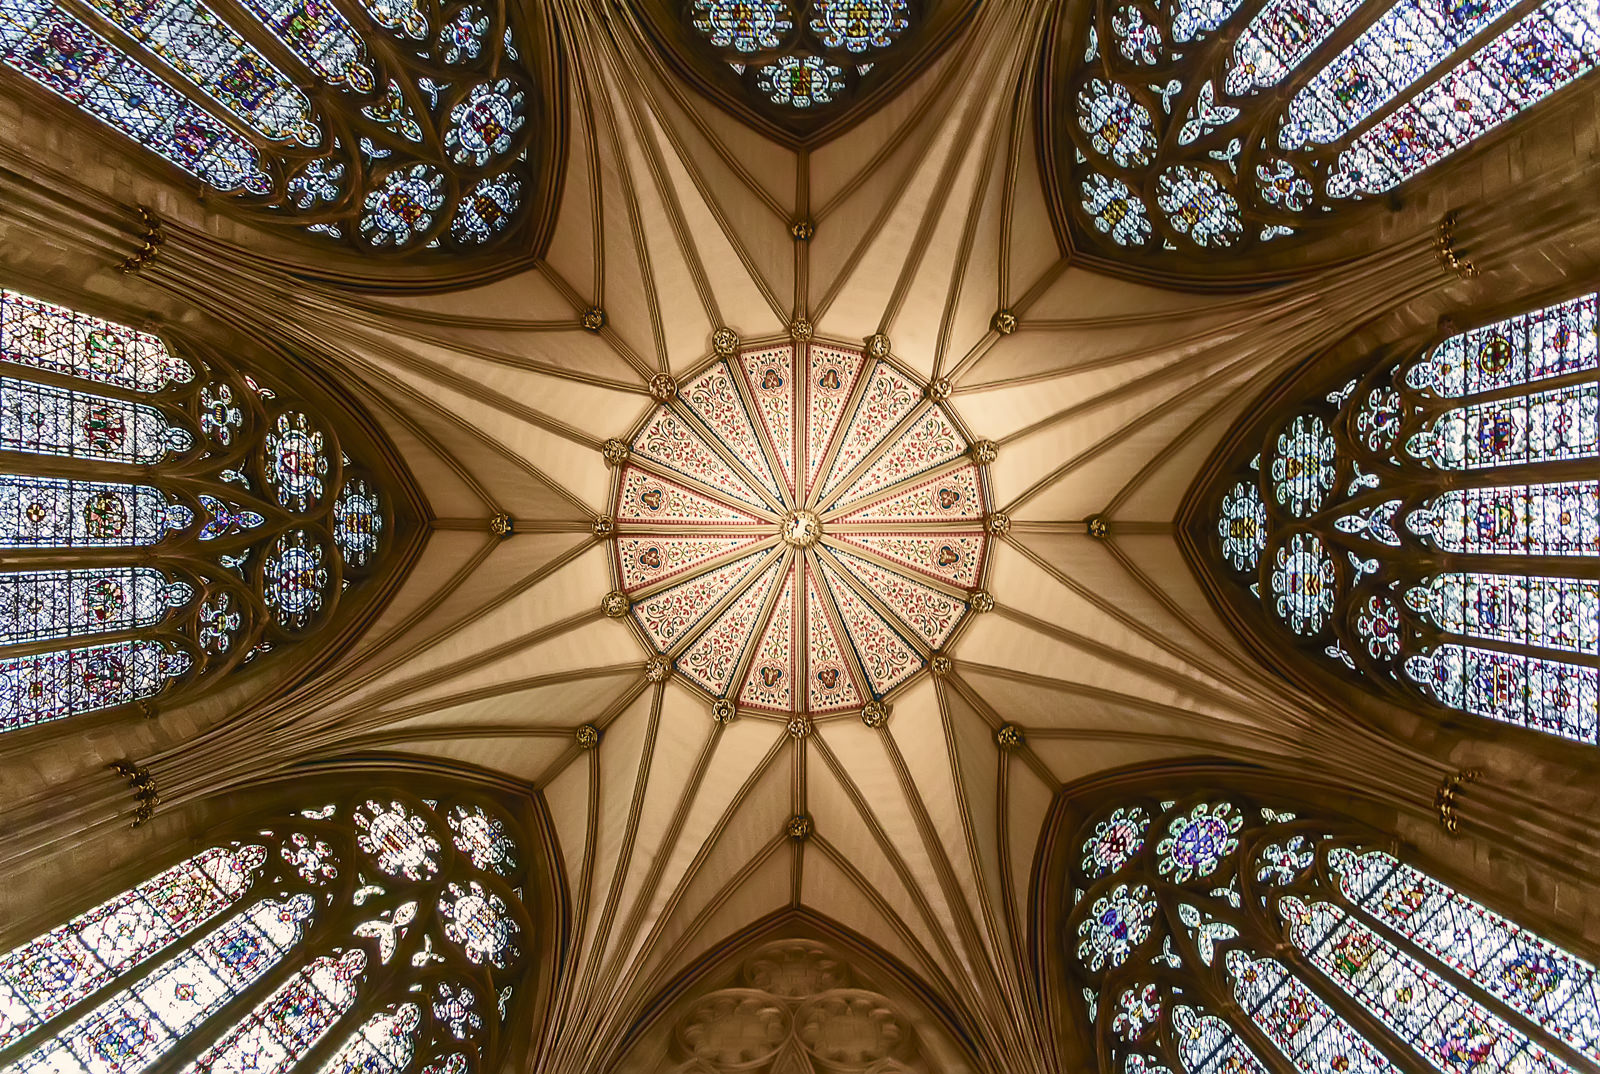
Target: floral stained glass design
(800, 529)
(1393, 970)
(1418, 81)
(303, 141)
(798, 56)
(259, 928)
(128, 417)
(1473, 455)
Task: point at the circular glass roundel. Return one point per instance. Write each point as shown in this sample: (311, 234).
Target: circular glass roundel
(1118, 922)
(357, 522)
(480, 922)
(482, 837)
(294, 579)
(398, 839)
(1304, 583)
(1115, 841)
(1197, 842)
(1303, 465)
(296, 461)
(799, 529)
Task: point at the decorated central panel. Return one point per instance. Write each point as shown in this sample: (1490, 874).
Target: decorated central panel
(799, 528)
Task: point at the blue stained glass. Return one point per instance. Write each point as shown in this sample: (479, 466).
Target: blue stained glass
(226, 519)
(1553, 613)
(1115, 841)
(1118, 922)
(46, 976)
(1453, 1032)
(394, 113)
(1137, 39)
(383, 1045)
(483, 125)
(1558, 519)
(1543, 52)
(285, 1025)
(54, 338)
(48, 686)
(1549, 426)
(1279, 38)
(45, 420)
(43, 605)
(294, 579)
(1533, 346)
(744, 25)
(1299, 1022)
(357, 522)
(858, 25)
(321, 37)
(1194, 19)
(199, 45)
(56, 513)
(461, 40)
(1389, 56)
(297, 461)
(141, 1023)
(1554, 988)
(1196, 843)
(1552, 696)
(66, 57)
(801, 82)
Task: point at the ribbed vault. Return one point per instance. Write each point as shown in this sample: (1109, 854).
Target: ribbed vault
(928, 224)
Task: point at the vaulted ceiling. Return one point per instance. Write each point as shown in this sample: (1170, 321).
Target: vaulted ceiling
(1105, 398)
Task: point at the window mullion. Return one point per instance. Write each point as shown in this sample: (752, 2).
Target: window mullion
(1449, 63)
(1514, 1018)
(159, 68)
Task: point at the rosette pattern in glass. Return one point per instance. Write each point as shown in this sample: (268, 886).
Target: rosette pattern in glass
(800, 529)
(1432, 526)
(1230, 124)
(168, 517)
(1392, 971)
(385, 124)
(308, 937)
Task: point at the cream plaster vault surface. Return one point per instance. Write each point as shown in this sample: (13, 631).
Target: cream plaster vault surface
(1105, 397)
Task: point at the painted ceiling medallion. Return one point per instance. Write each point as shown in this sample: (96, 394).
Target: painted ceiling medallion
(800, 529)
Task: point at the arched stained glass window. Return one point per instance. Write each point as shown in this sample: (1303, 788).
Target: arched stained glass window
(1203, 125)
(1213, 934)
(802, 55)
(391, 124)
(164, 518)
(1432, 527)
(382, 934)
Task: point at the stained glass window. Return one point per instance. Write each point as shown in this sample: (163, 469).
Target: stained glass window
(800, 55)
(1430, 527)
(1268, 116)
(272, 101)
(125, 583)
(303, 934)
(1358, 962)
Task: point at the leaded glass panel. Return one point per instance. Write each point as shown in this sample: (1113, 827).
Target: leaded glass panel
(1304, 949)
(1257, 121)
(1431, 527)
(179, 507)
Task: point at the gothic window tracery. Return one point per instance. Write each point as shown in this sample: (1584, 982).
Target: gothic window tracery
(164, 518)
(1225, 125)
(802, 56)
(1215, 934)
(387, 124)
(360, 936)
(1432, 527)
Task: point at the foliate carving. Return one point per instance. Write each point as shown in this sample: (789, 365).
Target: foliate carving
(502, 525)
(1010, 737)
(799, 726)
(614, 451)
(985, 452)
(722, 710)
(663, 387)
(587, 736)
(151, 242)
(1097, 526)
(941, 665)
(803, 230)
(656, 668)
(1005, 322)
(878, 345)
(797, 1007)
(981, 602)
(594, 319)
(800, 330)
(939, 390)
(799, 826)
(875, 714)
(724, 341)
(615, 604)
(998, 524)
(603, 525)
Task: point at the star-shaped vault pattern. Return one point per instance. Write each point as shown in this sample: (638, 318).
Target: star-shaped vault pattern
(800, 529)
